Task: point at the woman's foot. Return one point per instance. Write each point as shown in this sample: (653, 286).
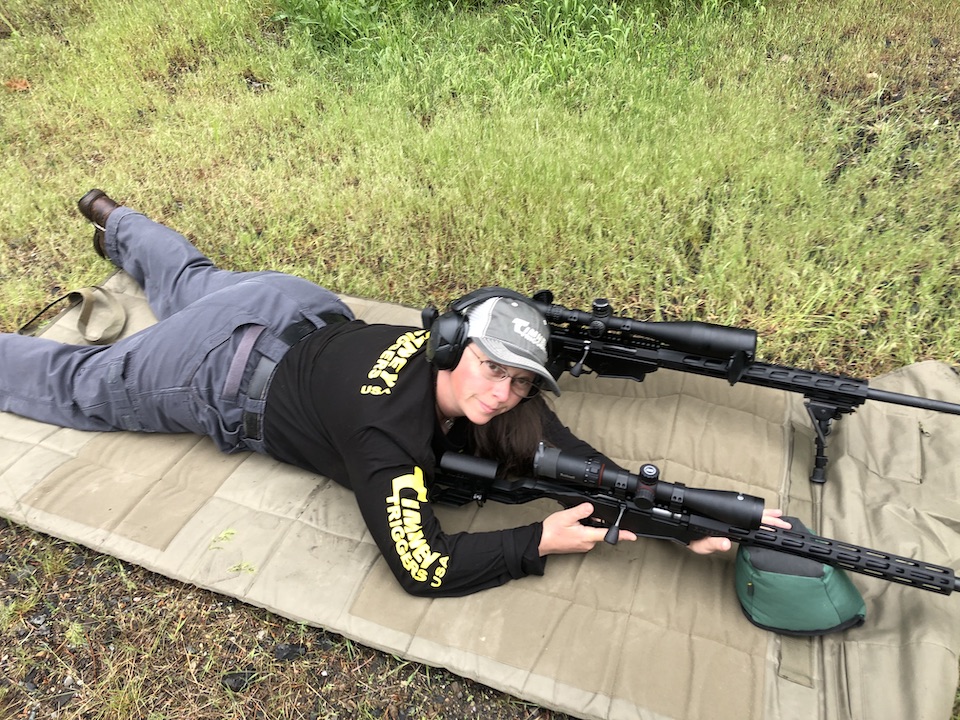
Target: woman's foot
(96, 207)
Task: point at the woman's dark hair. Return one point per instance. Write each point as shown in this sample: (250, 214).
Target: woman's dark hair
(511, 439)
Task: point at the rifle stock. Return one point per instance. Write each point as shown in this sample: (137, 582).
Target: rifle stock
(461, 479)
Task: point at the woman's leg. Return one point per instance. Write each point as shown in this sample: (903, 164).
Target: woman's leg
(177, 375)
(172, 272)
(52, 382)
(185, 373)
(169, 377)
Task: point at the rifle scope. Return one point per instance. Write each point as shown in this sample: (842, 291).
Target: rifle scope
(647, 491)
(689, 336)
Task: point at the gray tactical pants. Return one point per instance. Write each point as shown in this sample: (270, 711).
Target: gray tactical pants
(188, 372)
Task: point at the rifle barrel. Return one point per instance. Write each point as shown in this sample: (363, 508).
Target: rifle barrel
(913, 401)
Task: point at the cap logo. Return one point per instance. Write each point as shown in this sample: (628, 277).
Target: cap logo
(530, 334)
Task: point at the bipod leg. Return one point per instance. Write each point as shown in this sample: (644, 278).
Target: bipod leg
(821, 415)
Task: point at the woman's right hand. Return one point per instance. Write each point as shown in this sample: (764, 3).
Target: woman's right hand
(563, 533)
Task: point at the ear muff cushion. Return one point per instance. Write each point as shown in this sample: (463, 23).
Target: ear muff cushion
(446, 343)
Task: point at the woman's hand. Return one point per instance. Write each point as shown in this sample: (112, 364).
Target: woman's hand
(708, 545)
(563, 533)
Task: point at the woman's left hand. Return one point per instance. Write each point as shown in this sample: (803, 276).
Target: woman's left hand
(708, 545)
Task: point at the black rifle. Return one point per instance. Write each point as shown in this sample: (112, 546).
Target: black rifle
(612, 346)
(649, 507)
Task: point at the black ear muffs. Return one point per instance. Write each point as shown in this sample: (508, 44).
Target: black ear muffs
(448, 332)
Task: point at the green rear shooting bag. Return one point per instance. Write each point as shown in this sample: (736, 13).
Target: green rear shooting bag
(792, 595)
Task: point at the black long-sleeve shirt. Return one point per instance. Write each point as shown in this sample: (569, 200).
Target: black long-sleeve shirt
(357, 403)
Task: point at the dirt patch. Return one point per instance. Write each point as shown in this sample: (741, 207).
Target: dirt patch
(903, 71)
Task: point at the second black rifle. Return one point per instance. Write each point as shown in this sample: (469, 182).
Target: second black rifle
(610, 346)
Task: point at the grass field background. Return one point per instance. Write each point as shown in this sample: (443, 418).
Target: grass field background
(788, 166)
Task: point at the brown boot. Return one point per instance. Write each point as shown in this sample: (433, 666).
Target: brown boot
(96, 207)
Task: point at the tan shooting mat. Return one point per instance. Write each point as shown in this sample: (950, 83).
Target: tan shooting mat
(643, 630)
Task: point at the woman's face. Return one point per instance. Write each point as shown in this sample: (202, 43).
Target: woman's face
(469, 391)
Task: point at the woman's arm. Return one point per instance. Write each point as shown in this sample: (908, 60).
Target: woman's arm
(391, 492)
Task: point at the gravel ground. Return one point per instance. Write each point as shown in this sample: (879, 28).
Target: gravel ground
(84, 635)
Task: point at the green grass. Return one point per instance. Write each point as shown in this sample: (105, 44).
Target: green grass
(788, 166)
(741, 166)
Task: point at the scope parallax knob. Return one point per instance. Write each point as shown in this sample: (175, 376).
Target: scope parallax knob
(601, 308)
(601, 311)
(645, 496)
(649, 473)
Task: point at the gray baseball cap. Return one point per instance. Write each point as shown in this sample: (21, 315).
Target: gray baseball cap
(513, 333)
